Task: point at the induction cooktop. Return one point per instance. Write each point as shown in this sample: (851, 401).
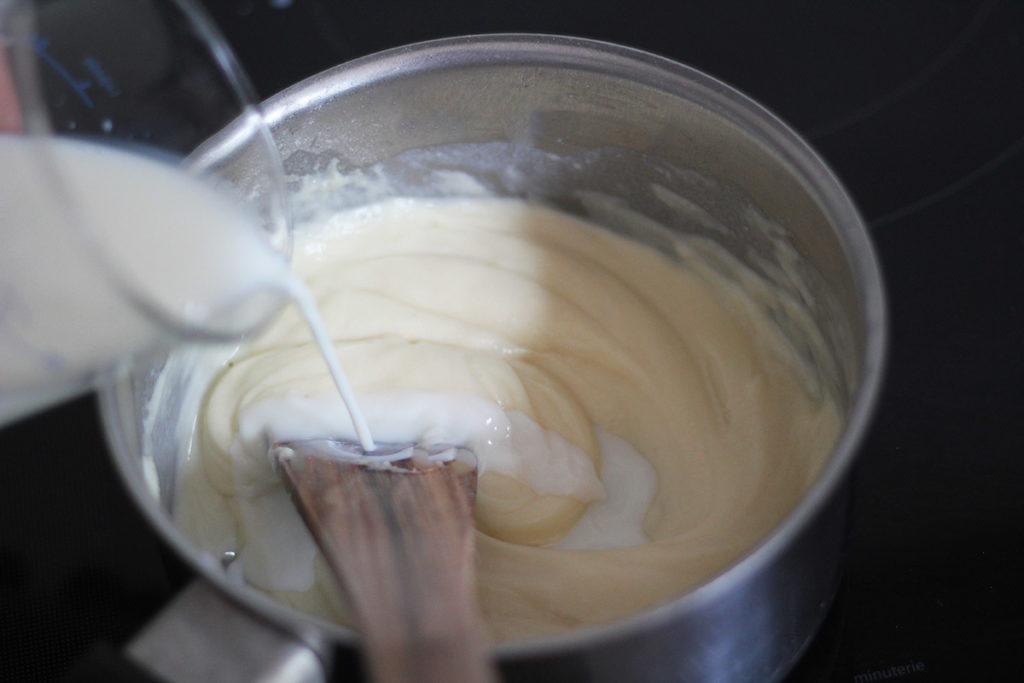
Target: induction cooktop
(918, 106)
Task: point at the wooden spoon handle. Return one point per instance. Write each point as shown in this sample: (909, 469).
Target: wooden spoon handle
(401, 544)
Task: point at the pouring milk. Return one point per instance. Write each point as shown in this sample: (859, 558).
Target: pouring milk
(108, 255)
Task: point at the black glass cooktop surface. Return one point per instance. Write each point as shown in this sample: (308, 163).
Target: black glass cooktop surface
(918, 106)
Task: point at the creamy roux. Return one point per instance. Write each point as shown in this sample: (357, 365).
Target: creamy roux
(640, 422)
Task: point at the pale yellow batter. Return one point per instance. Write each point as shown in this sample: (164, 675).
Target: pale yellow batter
(569, 325)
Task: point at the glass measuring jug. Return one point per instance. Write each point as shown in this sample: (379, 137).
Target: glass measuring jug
(114, 240)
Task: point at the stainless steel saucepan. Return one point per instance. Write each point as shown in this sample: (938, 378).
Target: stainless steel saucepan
(605, 132)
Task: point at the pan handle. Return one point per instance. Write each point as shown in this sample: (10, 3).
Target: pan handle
(201, 635)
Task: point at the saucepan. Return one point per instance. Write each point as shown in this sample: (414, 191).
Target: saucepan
(605, 132)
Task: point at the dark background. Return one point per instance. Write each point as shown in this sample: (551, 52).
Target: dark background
(918, 105)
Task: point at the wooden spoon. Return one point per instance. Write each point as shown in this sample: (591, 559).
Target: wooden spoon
(397, 532)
